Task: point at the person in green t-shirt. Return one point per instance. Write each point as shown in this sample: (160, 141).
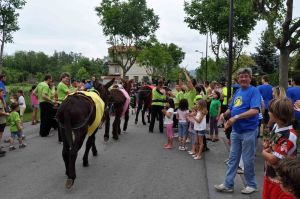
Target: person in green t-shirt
(190, 93)
(158, 100)
(63, 88)
(14, 121)
(46, 100)
(214, 113)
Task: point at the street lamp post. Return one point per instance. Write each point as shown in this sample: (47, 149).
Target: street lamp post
(201, 56)
(230, 58)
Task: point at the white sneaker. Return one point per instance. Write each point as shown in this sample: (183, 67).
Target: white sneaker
(240, 171)
(249, 190)
(175, 135)
(223, 188)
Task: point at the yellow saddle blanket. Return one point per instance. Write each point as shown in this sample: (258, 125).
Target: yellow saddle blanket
(99, 104)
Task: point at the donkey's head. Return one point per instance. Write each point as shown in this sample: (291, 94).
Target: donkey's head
(103, 89)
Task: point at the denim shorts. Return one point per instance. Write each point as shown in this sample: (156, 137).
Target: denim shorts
(16, 134)
(182, 129)
(193, 136)
(201, 133)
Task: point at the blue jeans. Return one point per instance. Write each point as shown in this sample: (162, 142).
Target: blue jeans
(182, 129)
(242, 144)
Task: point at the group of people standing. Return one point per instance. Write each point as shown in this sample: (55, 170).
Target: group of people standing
(277, 110)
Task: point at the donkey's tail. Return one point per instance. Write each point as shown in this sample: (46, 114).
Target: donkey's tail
(68, 128)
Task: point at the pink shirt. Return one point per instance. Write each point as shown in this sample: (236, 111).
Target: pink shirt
(34, 100)
(182, 115)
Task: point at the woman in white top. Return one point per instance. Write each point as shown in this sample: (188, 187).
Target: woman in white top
(200, 126)
(168, 112)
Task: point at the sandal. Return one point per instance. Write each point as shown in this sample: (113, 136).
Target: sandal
(198, 158)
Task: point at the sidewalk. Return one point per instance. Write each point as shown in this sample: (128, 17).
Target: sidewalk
(216, 170)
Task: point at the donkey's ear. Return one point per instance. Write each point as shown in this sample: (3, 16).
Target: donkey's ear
(108, 84)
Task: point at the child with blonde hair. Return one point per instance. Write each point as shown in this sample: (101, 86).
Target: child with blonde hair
(200, 126)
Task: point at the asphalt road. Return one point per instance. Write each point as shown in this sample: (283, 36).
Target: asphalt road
(135, 167)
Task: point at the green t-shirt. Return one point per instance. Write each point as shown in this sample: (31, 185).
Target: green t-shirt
(179, 95)
(157, 98)
(62, 91)
(214, 107)
(190, 96)
(13, 119)
(2, 117)
(43, 88)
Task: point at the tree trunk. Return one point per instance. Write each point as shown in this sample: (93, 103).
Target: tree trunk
(283, 67)
(1, 54)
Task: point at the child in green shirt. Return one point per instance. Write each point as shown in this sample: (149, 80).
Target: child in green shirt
(15, 127)
(214, 113)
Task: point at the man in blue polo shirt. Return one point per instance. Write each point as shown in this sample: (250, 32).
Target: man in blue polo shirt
(243, 111)
(294, 94)
(266, 92)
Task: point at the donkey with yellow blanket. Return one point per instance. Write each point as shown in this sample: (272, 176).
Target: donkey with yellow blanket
(80, 115)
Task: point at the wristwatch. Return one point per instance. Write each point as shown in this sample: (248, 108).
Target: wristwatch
(236, 117)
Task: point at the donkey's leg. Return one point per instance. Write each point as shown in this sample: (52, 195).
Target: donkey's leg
(89, 143)
(65, 155)
(107, 125)
(73, 153)
(126, 119)
(117, 121)
(143, 112)
(94, 149)
(65, 151)
(138, 110)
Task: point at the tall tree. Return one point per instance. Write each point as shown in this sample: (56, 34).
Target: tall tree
(211, 17)
(8, 22)
(127, 24)
(266, 56)
(156, 59)
(283, 30)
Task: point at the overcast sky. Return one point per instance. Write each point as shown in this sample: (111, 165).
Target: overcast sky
(72, 25)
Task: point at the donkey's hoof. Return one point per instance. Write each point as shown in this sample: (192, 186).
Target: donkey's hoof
(116, 138)
(69, 183)
(106, 139)
(135, 121)
(95, 152)
(85, 163)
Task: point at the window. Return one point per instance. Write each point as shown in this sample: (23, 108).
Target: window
(117, 69)
(146, 79)
(136, 78)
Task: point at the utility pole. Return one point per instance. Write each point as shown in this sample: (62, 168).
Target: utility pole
(206, 57)
(230, 59)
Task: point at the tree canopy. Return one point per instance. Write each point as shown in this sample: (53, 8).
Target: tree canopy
(126, 24)
(161, 60)
(30, 66)
(8, 22)
(283, 30)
